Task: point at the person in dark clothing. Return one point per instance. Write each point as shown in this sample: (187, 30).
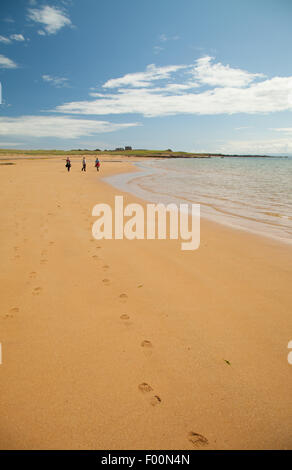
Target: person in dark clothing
(68, 164)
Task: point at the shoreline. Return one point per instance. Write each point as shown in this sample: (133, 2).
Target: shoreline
(120, 181)
(119, 344)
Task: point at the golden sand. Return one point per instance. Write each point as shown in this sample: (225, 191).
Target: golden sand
(135, 344)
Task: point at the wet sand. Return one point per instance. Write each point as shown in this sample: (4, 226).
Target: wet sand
(135, 344)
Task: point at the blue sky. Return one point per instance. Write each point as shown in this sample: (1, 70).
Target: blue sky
(193, 75)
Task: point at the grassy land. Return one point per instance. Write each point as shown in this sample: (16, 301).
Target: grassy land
(129, 153)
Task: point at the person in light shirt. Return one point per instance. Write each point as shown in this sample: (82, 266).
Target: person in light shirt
(97, 164)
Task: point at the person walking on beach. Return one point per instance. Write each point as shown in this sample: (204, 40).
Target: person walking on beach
(68, 163)
(97, 164)
(83, 164)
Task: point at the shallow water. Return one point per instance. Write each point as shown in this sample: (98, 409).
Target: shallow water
(253, 194)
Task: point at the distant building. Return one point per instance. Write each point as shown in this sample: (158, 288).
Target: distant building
(119, 149)
(128, 147)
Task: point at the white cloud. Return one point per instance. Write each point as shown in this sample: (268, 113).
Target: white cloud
(179, 87)
(143, 79)
(56, 126)
(286, 130)
(5, 40)
(12, 37)
(17, 37)
(6, 63)
(58, 82)
(221, 75)
(52, 18)
(164, 38)
(157, 49)
(268, 96)
(168, 90)
(257, 147)
(10, 144)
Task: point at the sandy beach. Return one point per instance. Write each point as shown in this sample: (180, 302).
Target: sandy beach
(135, 344)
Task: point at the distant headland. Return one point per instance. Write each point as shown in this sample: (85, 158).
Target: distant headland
(129, 152)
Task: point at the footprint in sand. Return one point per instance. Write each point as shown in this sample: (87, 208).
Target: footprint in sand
(32, 274)
(156, 400)
(198, 440)
(123, 297)
(7, 316)
(37, 291)
(106, 282)
(11, 313)
(105, 267)
(145, 388)
(95, 256)
(14, 310)
(51, 243)
(44, 261)
(124, 317)
(146, 344)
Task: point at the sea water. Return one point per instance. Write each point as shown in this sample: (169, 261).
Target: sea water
(253, 194)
